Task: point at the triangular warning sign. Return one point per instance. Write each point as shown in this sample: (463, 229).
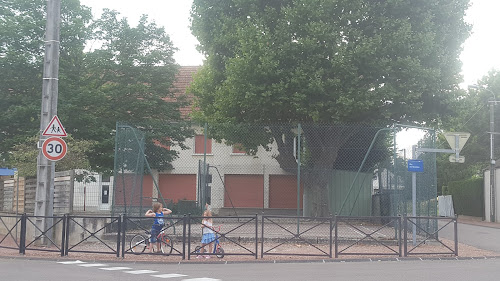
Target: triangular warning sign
(451, 138)
(54, 129)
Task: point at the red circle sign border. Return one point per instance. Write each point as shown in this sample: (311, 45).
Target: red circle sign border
(60, 156)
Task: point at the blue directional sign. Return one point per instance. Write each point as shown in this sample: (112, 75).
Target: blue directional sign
(416, 166)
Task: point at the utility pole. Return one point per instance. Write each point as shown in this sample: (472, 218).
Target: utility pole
(492, 161)
(45, 169)
(492, 133)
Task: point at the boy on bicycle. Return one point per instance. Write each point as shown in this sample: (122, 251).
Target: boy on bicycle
(158, 213)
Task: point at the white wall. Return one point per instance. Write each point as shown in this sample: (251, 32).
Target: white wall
(227, 162)
(487, 195)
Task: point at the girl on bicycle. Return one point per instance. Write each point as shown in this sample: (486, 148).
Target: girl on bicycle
(158, 213)
(208, 233)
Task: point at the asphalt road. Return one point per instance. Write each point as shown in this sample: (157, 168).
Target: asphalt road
(443, 270)
(482, 237)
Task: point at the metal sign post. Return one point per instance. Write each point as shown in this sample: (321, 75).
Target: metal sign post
(456, 140)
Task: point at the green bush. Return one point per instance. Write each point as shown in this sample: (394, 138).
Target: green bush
(468, 196)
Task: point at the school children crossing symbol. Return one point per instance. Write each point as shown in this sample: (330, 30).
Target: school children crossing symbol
(54, 129)
(54, 148)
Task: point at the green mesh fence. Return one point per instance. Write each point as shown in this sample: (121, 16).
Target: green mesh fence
(135, 189)
(283, 169)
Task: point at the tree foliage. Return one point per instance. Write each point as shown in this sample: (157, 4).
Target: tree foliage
(76, 158)
(109, 71)
(473, 116)
(327, 61)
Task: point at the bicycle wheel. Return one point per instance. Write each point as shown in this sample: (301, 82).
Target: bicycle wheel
(166, 245)
(138, 244)
(219, 252)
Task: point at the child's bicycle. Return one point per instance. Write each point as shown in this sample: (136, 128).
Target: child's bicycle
(218, 251)
(140, 242)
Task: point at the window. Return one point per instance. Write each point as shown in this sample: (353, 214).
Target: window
(199, 144)
(238, 149)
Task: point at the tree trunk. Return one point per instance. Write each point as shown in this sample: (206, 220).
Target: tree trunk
(321, 146)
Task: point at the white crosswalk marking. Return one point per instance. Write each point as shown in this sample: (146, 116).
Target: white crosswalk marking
(201, 279)
(92, 264)
(169, 275)
(115, 268)
(71, 262)
(141, 271)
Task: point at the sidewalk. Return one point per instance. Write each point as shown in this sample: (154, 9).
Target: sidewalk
(477, 221)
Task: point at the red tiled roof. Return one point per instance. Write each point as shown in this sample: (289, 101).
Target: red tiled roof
(182, 81)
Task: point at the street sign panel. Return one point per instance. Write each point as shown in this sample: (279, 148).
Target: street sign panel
(54, 148)
(453, 159)
(415, 165)
(54, 129)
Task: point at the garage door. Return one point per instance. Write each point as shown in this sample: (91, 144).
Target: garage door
(244, 191)
(128, 190)
(178, 187)
(283, 192)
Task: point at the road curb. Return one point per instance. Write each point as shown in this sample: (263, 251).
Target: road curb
(194, 262)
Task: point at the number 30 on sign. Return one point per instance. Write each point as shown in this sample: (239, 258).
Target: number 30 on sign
(54, 148)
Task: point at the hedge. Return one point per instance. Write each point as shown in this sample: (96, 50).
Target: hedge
(468, 196)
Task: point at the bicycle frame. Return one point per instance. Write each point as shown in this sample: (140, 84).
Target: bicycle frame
(215, 242)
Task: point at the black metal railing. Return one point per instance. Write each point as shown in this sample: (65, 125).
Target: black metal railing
(44, 238)
(237, 236)
(307, 236)
(383, 236)
(421, 237)
(91, 239)
(173, 233)
(11, 239)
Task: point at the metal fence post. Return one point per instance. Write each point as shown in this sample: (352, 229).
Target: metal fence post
(399, 234)
(189, 236)
(63, 236)
(256, 235)
(405, 229)
(455, 229)
(124, 231)
(118, 236)
(22, 242)
(336, 225)
(330, 241)
(262, 239)
(66, 244)
(184, 221)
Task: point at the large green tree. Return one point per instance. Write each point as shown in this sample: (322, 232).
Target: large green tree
(109, 71)
(22, 29)
(327, 61)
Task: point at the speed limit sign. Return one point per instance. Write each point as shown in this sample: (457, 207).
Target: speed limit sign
(54, 148)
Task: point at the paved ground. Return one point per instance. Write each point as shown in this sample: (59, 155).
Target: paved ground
(409, 269)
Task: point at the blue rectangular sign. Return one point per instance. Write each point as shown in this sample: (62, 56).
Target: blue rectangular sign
(416, 166)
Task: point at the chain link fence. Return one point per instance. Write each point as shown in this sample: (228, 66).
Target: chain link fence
(311, 170)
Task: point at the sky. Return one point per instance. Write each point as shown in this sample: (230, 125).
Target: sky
(480, 52)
